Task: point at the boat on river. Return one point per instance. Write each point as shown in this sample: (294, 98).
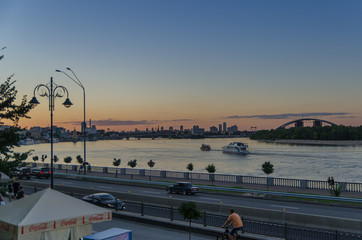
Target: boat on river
(205, 147)
(236, 147)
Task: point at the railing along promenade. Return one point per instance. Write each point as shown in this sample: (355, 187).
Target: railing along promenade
(212, 178)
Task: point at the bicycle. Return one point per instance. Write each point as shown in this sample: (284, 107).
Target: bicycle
(225, 235)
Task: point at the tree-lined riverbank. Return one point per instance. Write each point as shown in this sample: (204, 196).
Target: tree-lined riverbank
(315, 142)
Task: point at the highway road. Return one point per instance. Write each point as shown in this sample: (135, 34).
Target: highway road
(297, 207)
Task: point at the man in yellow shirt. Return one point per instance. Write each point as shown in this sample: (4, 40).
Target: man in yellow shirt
(236, 221)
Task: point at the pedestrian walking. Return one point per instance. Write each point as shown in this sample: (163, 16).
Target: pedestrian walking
(21, 193)
(332, 181)
(16, 187)
(10, 191)
(2, 201)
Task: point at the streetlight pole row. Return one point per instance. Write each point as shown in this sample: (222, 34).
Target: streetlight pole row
(84, 125)
(52, 91)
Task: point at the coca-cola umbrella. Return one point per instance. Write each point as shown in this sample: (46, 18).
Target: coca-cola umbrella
(49, 214)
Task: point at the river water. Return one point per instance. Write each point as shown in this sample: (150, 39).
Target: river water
(290, 161)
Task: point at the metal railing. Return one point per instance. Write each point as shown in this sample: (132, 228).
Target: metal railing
(286, 231)
(224, 178)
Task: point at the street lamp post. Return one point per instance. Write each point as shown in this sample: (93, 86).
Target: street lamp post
(84, 124)
(51, 91)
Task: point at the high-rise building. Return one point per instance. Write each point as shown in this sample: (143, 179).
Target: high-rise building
(233, 129)
(220, 128)
(224, 127)
(181, 128)
(213, 129)
(196, 130)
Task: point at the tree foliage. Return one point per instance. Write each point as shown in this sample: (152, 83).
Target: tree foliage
(132, 163)
(11, 112)
(151, 163)
(79, 159)
(68, 159)
(267, 168)
(311, 133)
(211, 168)
(189, 211)
(116, 162)
(190, 167)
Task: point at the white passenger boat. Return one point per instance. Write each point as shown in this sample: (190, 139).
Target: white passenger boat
(236, 147)
(27, 141)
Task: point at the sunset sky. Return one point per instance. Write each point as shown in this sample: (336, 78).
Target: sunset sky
(169, 63)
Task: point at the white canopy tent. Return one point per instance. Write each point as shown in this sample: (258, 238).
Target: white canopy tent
(4, 177)
(49, 214)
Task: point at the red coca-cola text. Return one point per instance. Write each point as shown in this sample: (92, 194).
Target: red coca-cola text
(68, 222)
(38, 227)
(95, 218)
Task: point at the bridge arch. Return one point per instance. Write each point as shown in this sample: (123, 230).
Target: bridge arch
(300, 122)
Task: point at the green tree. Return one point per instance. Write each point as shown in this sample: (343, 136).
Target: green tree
(79, 161)
(190, 167)
(55, 159)
(82, 163)
(189, 211)
(35, 158)
(336, 190)
(267, 168)
(211, 169)
(132, 164)
(151, 164)
(116, 163)
(67, 160)
(11, 113)
(43, 157)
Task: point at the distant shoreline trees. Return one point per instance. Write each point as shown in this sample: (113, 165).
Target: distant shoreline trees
(311, 133)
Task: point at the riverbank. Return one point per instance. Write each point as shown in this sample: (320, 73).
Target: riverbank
(315, 142)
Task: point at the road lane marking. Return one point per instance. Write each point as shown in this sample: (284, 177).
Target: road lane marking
(278, 206)
(151, 192)
(68, 183)
(213, 199)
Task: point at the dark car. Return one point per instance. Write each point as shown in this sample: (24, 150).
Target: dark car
(105, 200)
(41, 172)
(23, 172)
(182, 187)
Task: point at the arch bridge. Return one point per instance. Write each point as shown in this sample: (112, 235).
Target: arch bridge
(300, 122)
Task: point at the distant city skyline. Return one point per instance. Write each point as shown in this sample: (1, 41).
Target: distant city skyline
(148, 63)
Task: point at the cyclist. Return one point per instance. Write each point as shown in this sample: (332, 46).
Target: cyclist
(236, 221)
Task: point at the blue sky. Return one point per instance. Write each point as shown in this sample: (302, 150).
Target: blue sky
(149, 63)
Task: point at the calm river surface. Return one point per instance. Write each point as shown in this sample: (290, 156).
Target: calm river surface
(290, 161)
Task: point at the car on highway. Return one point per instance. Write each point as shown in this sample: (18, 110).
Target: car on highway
(22, 172)
(182, 187)
(105, 200)
(41, 172)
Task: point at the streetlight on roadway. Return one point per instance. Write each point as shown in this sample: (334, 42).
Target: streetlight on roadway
(84, 124)
(51, 91)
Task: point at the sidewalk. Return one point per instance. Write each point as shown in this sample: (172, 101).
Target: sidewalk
(184, 226)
